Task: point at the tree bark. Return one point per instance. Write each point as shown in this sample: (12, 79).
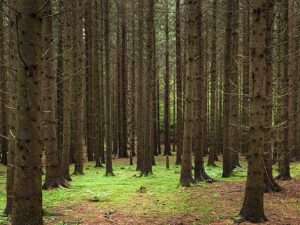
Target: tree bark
(253, 206)
(27, 201)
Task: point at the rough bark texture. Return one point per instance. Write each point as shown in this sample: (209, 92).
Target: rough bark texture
(270, 183)
(54, 178)
(192, 68)
(253, 206)
(284, 154)
(77, 85)
(12, 61)
(67, 76)
(167, 145)
(179, 103)
(140, 86)
(227, 154)
(108, 125)
(27, 201)
(213, 70)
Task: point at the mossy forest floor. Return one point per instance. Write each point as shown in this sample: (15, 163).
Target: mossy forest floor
(127, 199)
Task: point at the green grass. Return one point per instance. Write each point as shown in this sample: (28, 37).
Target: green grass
(159, 194)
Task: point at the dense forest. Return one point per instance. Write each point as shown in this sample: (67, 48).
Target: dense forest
(161, 112)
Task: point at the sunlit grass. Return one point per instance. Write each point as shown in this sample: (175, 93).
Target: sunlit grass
(159, 194)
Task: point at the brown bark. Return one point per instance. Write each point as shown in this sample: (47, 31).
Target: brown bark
(77, 85)
(179, 103)
(54, 178)
(108, 125)
(227, 155)
(27, 201)
(167, 145)
(253, 206)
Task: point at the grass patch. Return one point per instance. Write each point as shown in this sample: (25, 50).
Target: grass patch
(159, 194)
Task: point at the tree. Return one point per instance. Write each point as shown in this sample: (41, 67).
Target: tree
(146, 168)
(227, 155)
(284, 154)
(12, 52)
(198, 104)
(270, 183)
(179, 104)
(167, 146)
(108, 128)
(192, 53)
(213, 70)
(253, 206)
(54, 177)
(27, 201)
(140, 85)
(68, 72)
(77, 85)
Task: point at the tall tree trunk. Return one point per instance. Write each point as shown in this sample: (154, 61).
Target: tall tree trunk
(192, 68)
(149, 83)
(54, 178)
(124, 81)
(77, 85)
(167, 149)
(179, 92)
(12, 125)
(27, 201)
(199, 92)
(99, 151)
(284, 158)
(140, 86)
(246, 75)
(234, 138)
(4, 92)
(91, 114)
(270, 183)
(67, 76)
(213, 71)
(253, 206)
(108, 127)
(132, 93)
(227, 154)
(60, 81)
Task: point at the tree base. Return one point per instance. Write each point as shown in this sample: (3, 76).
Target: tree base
(249, 218)
(283, 177)
(272, 186)
(186, 182)
(146, 174)
(78, 173)
(99, 165)
(109, 174)
(56, 183)
(203, 177)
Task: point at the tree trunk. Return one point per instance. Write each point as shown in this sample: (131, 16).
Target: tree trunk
(213, 71)
(54, 178)
(253, 206)
(227, 154)
(67, 76)
(12, 74)
(108, 127)
(192, 68)
(284, 154)
(167, 146)
(179, 104)
(27, 201)
(140, 86)
(77, 85)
